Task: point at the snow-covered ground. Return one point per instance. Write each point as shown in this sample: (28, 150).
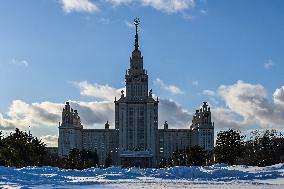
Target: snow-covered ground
(216, 176)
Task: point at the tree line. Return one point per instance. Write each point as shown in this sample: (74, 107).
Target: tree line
(81, 160)
(194, 156)
(260, 148)
(20, 149)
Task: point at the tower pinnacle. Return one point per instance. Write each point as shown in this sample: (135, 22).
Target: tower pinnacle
(136, 23)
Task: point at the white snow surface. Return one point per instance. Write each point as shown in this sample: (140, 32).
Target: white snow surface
(215, 176)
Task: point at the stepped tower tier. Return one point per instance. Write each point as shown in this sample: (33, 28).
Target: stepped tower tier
(136, 77)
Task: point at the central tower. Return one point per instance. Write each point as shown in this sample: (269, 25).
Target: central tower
(136, 115)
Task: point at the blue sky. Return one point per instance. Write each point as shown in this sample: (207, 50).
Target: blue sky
(229, 53)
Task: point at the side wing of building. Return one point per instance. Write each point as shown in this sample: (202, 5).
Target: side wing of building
(171, 140)
(103, 141)
(200, 133)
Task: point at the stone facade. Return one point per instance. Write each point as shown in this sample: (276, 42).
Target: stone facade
(200, 133)
(135, 139)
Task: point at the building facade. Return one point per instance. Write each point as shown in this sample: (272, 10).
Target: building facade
(135, 139)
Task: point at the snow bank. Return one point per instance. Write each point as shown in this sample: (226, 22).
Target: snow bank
(220, 173)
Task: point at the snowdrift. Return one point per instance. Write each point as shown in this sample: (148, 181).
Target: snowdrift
(220, 173)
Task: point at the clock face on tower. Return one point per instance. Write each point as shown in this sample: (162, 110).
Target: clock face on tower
(136, 78)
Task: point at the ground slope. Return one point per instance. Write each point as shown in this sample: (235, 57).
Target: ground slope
(216, 176)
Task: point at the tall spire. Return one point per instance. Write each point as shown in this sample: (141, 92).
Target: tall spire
(136, 23)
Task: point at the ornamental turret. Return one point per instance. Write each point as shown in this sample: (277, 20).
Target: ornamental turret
(70, 117)
(202, 116)
(70, 131)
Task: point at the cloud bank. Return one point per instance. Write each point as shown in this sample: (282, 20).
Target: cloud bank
(69, 6)
(50, 140)
(88, 6)
(18, 62)
(174, 114)
(93, 113)
(103, 92)
(278, 96)
(248, 105)
(169, 6)
(23, 115)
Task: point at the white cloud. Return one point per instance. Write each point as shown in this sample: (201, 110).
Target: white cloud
(103, 92)
(6, 124)
(169, 6)
(208, 92)
(252, 103)
(268, 64)
(48, 114)
(79, 6)
(195, 83)
(246, 105)
(50, 140)
(278, 96)
(17, 62)
(129, 24)
(94, 114)
(202, 11)
(210, 96)
(170, 88)
(225, 118)
(121, 2)
(174, 113)
(23, 115)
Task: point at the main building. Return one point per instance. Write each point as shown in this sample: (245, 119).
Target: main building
(135, 139)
